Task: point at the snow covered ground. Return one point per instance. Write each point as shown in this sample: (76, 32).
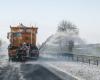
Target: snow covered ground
(78, 70)
(81, 71)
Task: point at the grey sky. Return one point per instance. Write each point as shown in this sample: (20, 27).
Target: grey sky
(46, 14)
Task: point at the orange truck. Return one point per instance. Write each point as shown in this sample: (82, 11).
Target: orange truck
(22, 42)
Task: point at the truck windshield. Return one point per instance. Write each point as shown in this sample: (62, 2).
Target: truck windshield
(17, 34)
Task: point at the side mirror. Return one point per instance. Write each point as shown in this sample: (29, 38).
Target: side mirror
(7, 35)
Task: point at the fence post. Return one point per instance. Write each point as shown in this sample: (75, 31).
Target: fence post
(77, 58)
(82, 59)
(68, 57)
(72, 58)
(89, 61)
(97, 62)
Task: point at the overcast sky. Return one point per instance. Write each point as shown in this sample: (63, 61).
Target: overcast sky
(46, 14)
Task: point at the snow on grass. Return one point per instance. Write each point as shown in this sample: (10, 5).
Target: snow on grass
(83, 71)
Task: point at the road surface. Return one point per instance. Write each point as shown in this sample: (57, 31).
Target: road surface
(31, 71)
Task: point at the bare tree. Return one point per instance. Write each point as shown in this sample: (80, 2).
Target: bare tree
(67, 26)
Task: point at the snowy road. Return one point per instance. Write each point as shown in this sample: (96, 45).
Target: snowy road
(48, 65)
(30, 71)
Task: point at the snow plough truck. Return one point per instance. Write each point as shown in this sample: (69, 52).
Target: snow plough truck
(22, 43)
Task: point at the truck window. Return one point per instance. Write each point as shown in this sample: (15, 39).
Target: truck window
(17, 34)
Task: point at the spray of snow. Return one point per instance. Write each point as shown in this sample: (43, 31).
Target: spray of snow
(59, 42)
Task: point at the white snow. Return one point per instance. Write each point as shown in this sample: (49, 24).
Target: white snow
(82, 71)
(59, 42)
